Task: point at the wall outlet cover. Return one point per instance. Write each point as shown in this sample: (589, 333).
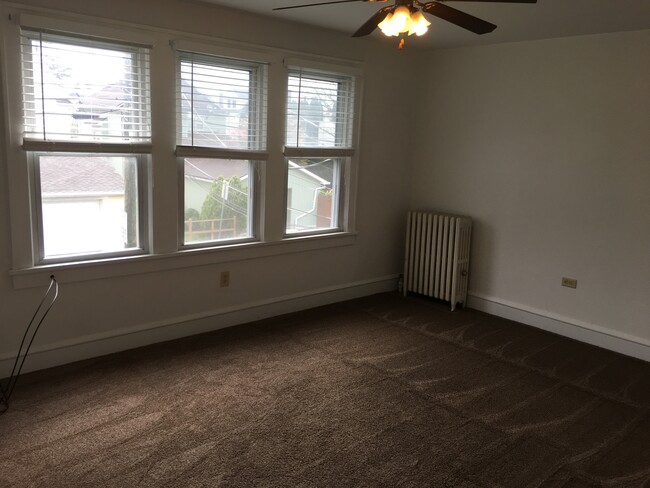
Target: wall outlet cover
(570, 282)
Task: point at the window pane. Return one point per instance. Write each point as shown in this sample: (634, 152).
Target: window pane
(83, 90)
(319, 111)
(221, 103)
(312, 194)
(217, 200)
(89, 204)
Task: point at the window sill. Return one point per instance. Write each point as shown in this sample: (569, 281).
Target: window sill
(186, 258)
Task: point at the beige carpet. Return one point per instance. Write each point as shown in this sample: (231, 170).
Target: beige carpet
(376, 392)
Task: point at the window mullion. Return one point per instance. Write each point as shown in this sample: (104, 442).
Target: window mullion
(162, 171)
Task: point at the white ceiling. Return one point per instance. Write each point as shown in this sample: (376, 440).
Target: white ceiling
(516, 22)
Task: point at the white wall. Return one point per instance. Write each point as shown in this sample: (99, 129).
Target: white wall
(96, 316)
(546, 145)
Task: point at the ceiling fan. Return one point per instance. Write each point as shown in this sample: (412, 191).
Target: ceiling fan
(405, 16)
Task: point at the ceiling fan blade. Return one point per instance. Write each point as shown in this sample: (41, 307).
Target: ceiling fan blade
(372, 22)
(493, 1)
(319, 3)
(461, 19)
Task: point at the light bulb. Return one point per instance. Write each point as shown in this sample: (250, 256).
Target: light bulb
(419, 24)
(401, 19)
(386, 25)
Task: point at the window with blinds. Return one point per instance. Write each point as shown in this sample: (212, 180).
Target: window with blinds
(221, 103)
(221, 136)
(320, 109)
(83, 90)
(318, 148)
(87, 123)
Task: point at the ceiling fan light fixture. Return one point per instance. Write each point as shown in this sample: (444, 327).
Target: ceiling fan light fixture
(404, 20)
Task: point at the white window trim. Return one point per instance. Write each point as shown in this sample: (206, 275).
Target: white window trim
(348, 167)
(185, 50)
(324, 65)
(96, 30)
(79, 271)
(220, 51)
(164, 252)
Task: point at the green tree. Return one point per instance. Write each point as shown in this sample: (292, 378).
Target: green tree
(227, 198)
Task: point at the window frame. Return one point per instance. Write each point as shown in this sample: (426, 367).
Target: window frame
(338, 184)
(346, 156)
(142, 186)
(32, 149)
(256, 155)
(254, 195)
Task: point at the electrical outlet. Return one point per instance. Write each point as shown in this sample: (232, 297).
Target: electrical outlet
(570, 282)
(225, 279)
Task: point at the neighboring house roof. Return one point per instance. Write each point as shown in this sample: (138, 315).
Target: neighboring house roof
(79, 175)
(214, 102)
(110, 98)
(203, 103)
(310, 174)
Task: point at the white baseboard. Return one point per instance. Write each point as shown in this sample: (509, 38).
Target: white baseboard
(575, 329)
(95, 345)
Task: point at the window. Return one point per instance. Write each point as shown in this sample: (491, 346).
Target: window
(217, 199)
(319, 145)
(89, 203)
(312, 186)
(221, 131)
(250, 149)
(86, 127)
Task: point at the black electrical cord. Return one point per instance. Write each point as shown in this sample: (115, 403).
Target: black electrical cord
(3, 405)
(8, 389)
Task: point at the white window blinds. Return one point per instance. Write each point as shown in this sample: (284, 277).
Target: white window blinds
(320, 109)
(221, 103)
(84, 90)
